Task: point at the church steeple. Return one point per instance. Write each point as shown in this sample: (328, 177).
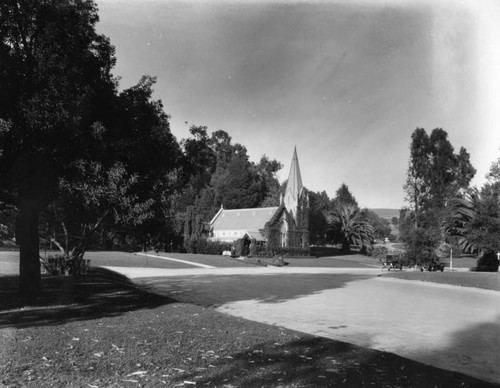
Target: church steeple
(294, 186)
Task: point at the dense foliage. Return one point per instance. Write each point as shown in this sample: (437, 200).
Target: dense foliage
(435, 175)
(73, 150)
(221, 174)
(55, 83)
(349, 227)
(474, 217)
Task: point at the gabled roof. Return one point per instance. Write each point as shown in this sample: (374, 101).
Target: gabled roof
(252, 219)
(256, 236)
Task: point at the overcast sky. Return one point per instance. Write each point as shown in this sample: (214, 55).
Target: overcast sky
(345, 82)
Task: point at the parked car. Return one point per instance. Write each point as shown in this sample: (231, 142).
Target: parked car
(432, 266)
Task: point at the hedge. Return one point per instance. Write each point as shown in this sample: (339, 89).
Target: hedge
(206, 247)
(263, 251)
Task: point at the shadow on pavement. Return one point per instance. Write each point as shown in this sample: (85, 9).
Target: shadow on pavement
(213, 291)
(476, 348)
(100, 294)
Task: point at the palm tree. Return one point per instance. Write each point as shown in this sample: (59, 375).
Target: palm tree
(475, 219)
(349, 228)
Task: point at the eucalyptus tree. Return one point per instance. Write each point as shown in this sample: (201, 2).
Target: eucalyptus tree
(435, 175)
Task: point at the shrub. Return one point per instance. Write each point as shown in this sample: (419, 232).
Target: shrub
(190, 245)
(238, 247)
(203, 246)
(487, 262)
(263, 251)
(380, 252)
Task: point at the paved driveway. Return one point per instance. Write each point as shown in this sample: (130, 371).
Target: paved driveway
(450, 327)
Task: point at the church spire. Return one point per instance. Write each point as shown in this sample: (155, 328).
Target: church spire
(294, 186)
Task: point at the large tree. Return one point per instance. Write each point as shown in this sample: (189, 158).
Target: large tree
(319, 207)
(435, 175)
(55, 82)
(344, 196)
(221, 174)
(72, 148)
(122, 184)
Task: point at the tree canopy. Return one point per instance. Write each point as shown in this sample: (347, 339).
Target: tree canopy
(70, 144)
(474, 216)
(55, 82)
(435, 175)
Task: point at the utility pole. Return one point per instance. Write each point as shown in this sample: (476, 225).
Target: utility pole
(451, 259)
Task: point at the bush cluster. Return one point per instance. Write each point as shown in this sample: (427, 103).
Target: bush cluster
(263, 251)
(487, 262)
(380, 252)
(203, 246)
(265, 261)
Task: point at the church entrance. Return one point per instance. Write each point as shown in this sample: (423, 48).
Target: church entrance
(245, 249)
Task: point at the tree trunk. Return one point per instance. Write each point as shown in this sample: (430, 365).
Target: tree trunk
(346, 247)
(28, 240)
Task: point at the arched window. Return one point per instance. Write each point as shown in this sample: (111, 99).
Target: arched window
(284, 233)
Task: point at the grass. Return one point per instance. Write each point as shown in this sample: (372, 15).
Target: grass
(483, 280)
(101, 331)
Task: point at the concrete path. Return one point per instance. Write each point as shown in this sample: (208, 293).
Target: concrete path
(176, 260)
(144, 272)
(454, 328)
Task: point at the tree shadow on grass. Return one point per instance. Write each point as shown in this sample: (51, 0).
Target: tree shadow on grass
(321, 362)
(102, 293)
(214, 291)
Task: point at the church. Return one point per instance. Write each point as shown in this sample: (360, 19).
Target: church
(283, 226)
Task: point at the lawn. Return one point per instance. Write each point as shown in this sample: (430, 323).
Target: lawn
(483, 280)
(101, 331)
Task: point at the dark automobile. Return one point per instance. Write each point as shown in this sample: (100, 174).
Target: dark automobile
(432, 266)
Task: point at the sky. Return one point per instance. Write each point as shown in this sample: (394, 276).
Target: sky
(346, 82)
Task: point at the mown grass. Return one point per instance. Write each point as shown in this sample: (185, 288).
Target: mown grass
(101, 331)
(483, 280)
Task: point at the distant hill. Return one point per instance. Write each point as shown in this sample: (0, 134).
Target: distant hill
(386, 213)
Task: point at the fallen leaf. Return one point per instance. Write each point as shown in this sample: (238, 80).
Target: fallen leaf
(139, 372)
